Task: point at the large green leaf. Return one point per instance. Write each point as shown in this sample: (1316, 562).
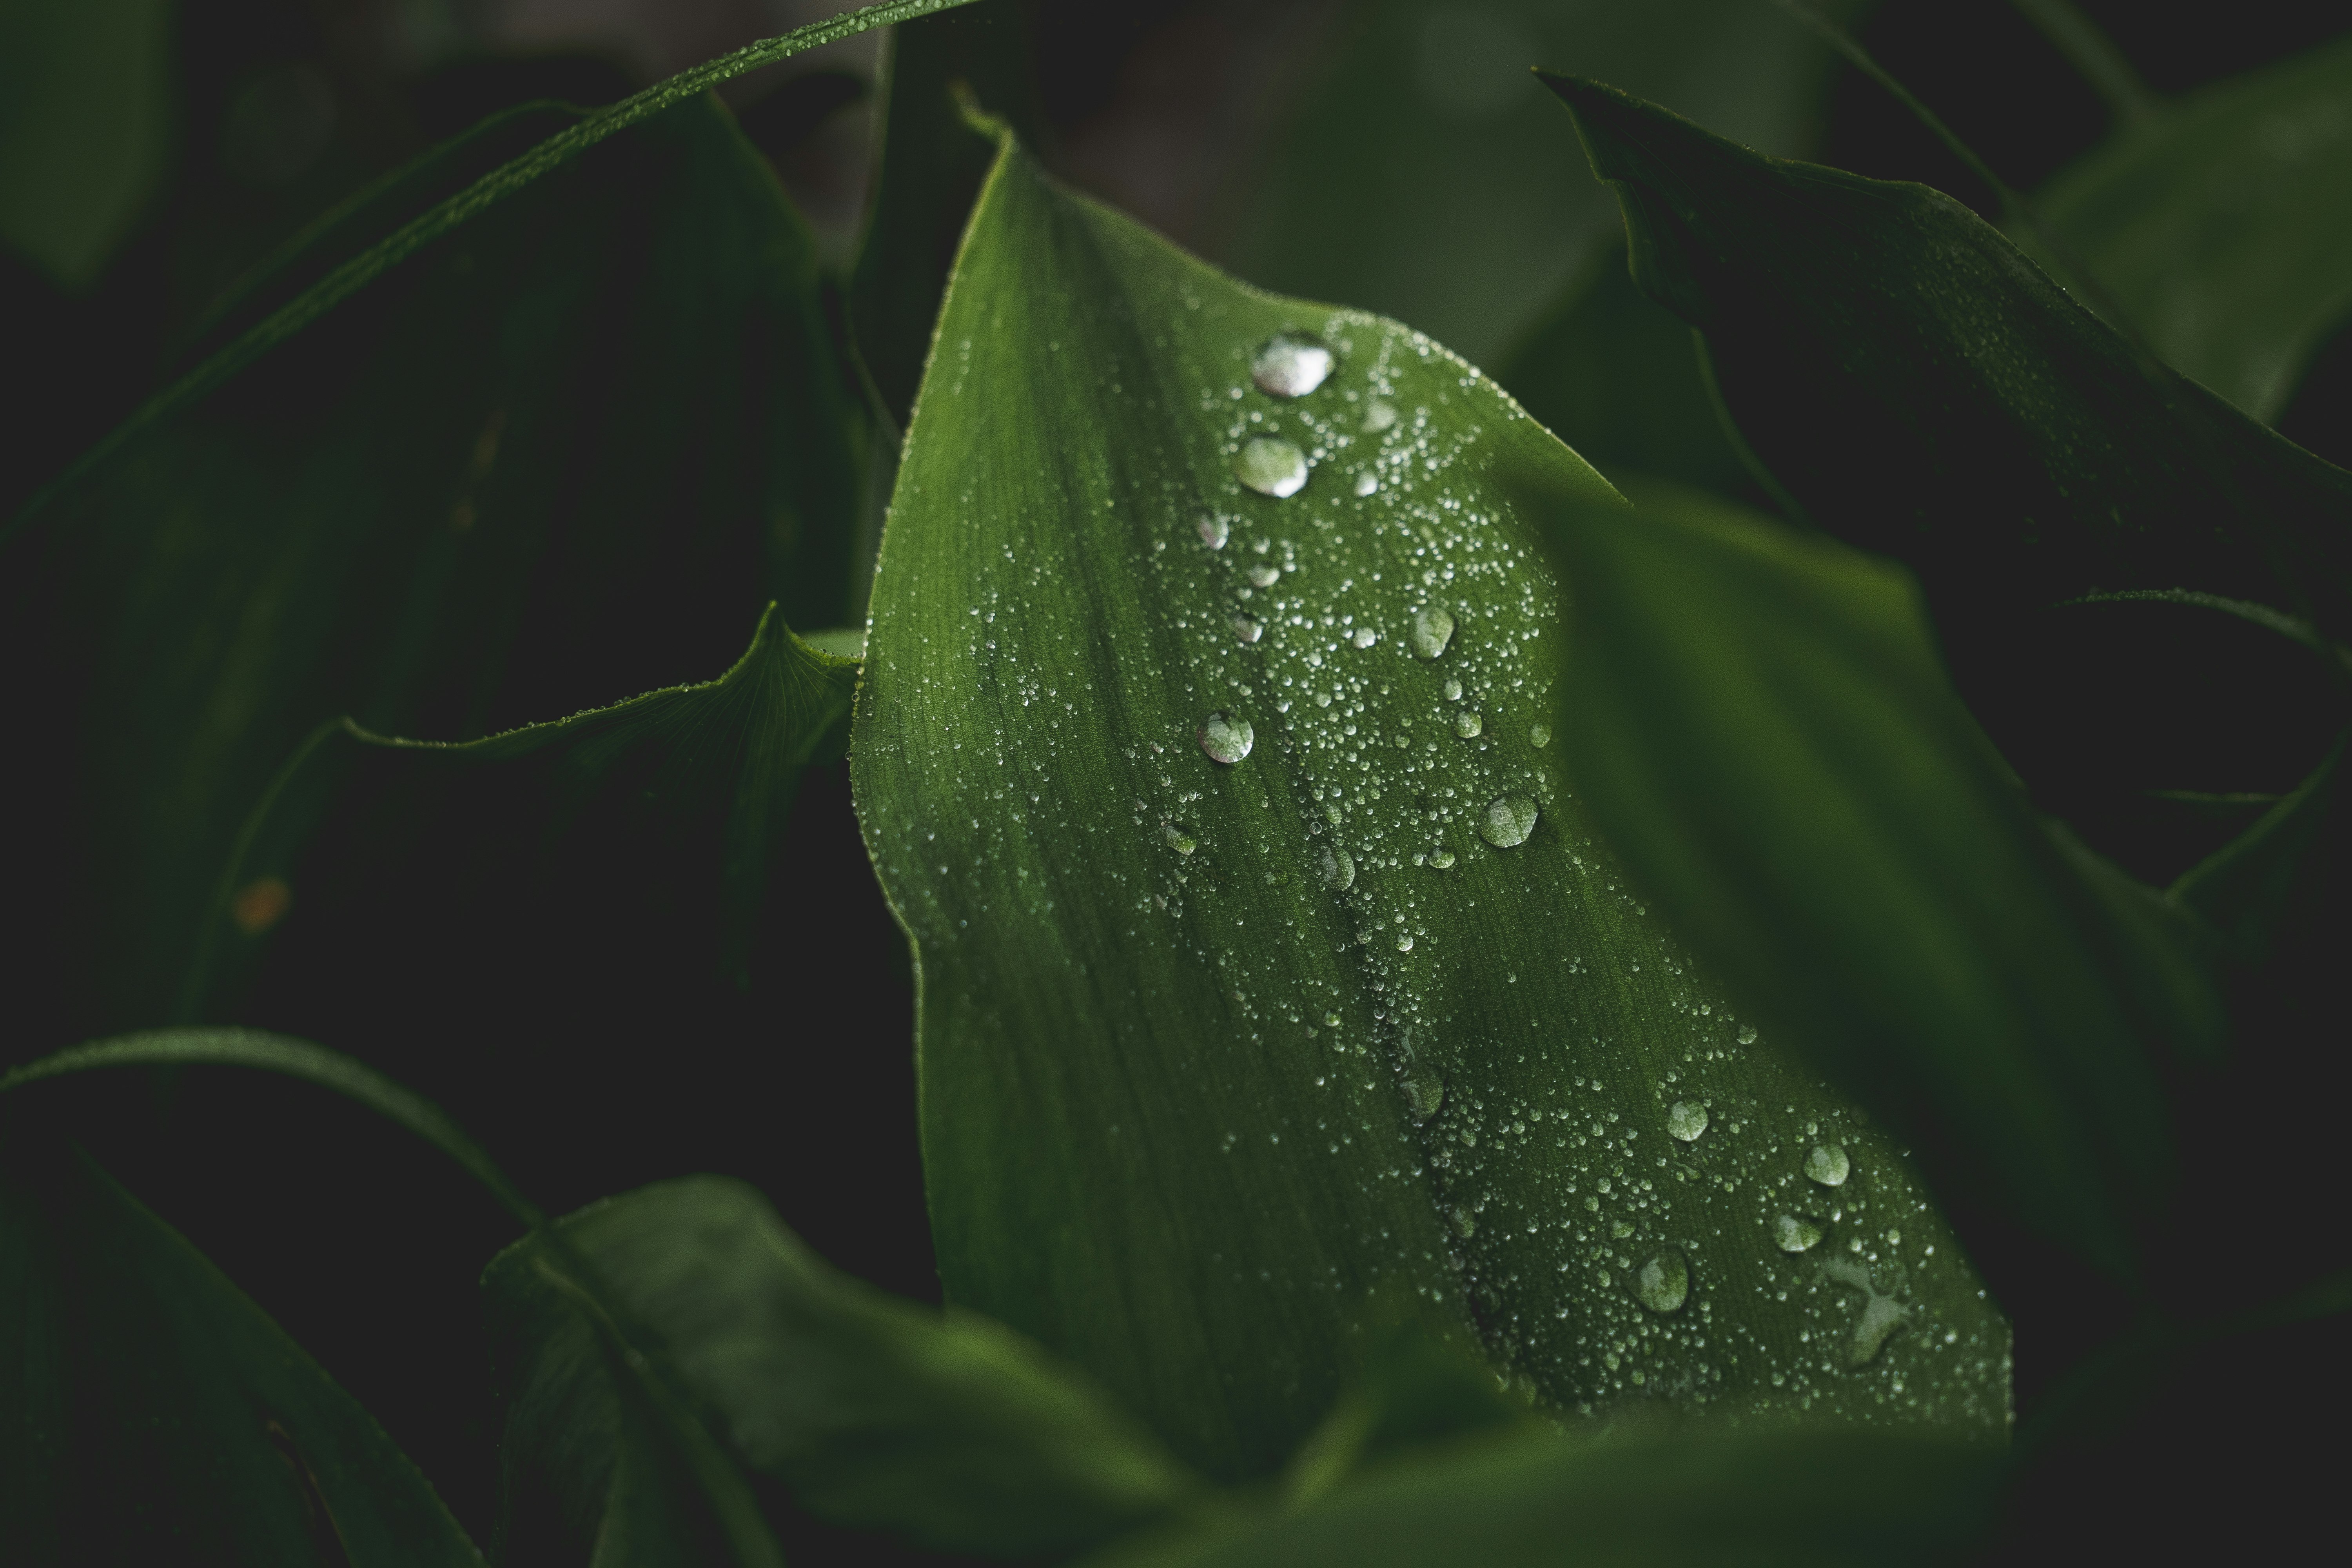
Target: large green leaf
(153, 1414)
(1222, 1060)
(85, 126)
(1413, 172)
(564, 455)
(877, 1416)
(1805, 1500)
(1760, 725)
(2220, 229)
(680, 794)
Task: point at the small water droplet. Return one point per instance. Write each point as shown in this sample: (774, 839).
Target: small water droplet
(1405, 943)
(1177, 840)
(1453, 690)
(1379, 415)
(1272, 467)
(1432, 629)
(1686, 1120)
(1330, 1020)
(1248, 629)
(1747, 1036)
(1264, 575)
(1467, 724)
(1214, 532)
(1540, 734)
(1828, 1164)
(1442, 858)
(1619, 1229)
(1508, 821)
(1291, 364)
(1338, 871)
(1424, 1094)
(1226, 737)
(1664, 1283)
(1367, 482)
(1364, 637)
(1465, 1224)
(1795, 1233)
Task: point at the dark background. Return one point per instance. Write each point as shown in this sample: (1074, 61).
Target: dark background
(365, 1244)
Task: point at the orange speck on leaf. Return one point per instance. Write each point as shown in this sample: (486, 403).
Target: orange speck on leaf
(260, 904)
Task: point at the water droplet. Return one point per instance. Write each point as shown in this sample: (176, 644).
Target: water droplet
(1264, 575)
(1367, 482)
(1664, 1283)
(1330, 1020)
(1795, 1233)
(1404, 944)
(1442, 858)
(1247, 629)
(1424, 1094)
(1364, 637)
(1226, 737)
(1686, 1120)
(1432, 629)
(1746, 1034)
(1272, 467)
(1828, 1164)
(1465, 1224)
(1379, 415)
(1453, 690)
(1508, 822)
(1177, 840)
(1619, 1229)
(1540, 734)
(1467, 724)
(1214, 532)
(1338, 871)
(1291, 364)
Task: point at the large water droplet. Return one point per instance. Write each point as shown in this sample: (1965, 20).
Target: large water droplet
(1747, 1036)
(1247, 628)
(1338, 871)
(1687, 1120)
(1432, 629)
(1795, 1233)
(1828, 1165)
(1467, 724)
(1664, 1283)
(1364, 637)
(1291, 364)
(1226, 737)
(1508, 822)
(1442, 858)
(1264, 574)
(1177, 840)
(1367, 482)
(1465, 1224)
(1272, 467)
(1540, 734)
(1379, 415)
(1214, 532)
(1424, 1094)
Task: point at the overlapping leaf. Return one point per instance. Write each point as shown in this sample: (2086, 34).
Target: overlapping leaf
(85, 127)
(1232, 1049)
(877, 1416)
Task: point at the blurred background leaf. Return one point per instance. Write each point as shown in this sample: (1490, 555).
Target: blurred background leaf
(85, 127)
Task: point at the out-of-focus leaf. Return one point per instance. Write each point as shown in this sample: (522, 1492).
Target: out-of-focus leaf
(1415, 176)
(2266, 883)
(153, 1414)
(85, 126)
(677, 795)
(566, 454)
(2221, 229)
(932, 168)
(876, 1415)
(1807, 1500)
(1222, 1060)
(1412, 1391)
(1761, 727)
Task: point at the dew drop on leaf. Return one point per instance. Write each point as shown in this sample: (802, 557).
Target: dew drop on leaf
(1508, 821)
(1226, 737)
(1214, 532)
(1746, 1034)
(1291, 364)
(1686, 1120)
(1540, 734)
(1432, 629)
(1443, 859)
(1364, 637)
(1249, 628)
(1453, 690)
(1367, 482)
(1424, 1095)
(1272, 467)
(1465, 1224)
(1795, 1233)
(1467, 724)
(1379, 415)
(1338, 871)
(1264, 575)
(1664, 1283)
(1828, 1164)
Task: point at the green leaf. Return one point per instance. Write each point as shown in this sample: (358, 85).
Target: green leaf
(564, 455)
(2220, 229)
(1761, 727)
(1877, 340)
(876, 1415)
(2280, 874)
(85, 127)
(153, 1414)
(1221, 1064)
(692, 783)
(1807, 1500)
(1415, 172)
